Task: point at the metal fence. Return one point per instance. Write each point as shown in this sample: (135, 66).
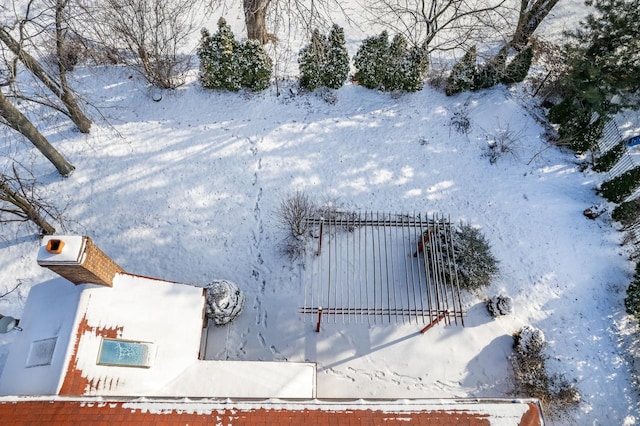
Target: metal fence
(382, 268)
(611, 136)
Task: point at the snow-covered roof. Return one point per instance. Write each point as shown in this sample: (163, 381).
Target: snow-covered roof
(65, 327)
(496, 412)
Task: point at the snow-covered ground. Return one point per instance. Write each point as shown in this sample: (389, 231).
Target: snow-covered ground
(187, 189)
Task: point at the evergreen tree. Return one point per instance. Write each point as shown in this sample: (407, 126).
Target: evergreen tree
(218, 59)
(604, 62)
(227, 64)
(311, 62)
(461, 78)
(632, 301)
(621, 187)
(517, 70)
(492, 71)
(415, 64)
(388, 67)
(393, 74)
(255, 66)
(372, 61)
(336, 67)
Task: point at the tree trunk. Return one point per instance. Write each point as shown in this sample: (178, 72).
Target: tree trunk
(532, 13)
(255, 17)
(17, 121)
(77, 116)
(62, 92)
(29, 210)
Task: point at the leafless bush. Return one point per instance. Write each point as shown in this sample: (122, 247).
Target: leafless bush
(438, 76)
(460, 119)
(294, 212)
(151, 31)
(552, 65)
(504, 141)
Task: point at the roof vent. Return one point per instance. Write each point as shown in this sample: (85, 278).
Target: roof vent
(77, 259)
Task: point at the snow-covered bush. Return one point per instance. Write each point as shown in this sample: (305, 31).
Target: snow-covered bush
(255, 66)
(311, 61)
(499, 305)
(227, 64)
(503, 142)
(413, 68)
(627, 212)
(371, 61)
(462, 74)
(336, 68)
(487, 75)
(224, 301)
(460, 119)
(530, 342)
(218, 59)
(517, 70)
(390, 67)
(632, 301)
(475, 263)
(620, 187)
(607, 160)
(555, 392)
(324, 62)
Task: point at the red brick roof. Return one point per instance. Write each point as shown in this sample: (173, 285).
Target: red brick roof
(142, 412)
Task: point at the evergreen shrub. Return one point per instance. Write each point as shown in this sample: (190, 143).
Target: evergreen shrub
(517, 70)
(472, 258)
(627, 212)
(607, 160)
(620, 187)
(487, 75)
(461, 78)
(227, 64)
(371, 61)
(632, 301)
(390, 67)
(475, 262)
(324, 62)
(255, 66)
(336, 67)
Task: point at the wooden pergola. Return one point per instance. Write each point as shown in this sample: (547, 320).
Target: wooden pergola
(381, 268)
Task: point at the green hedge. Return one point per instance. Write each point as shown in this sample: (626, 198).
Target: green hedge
(620, 187)
(607, 160)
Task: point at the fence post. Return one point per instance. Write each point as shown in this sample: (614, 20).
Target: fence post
(320, 237)
(319, 319)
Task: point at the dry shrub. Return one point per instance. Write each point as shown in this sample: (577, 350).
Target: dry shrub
(556, 394)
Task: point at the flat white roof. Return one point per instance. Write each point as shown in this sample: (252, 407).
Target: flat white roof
(166, 316)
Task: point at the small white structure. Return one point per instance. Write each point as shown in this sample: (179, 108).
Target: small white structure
(127, 335)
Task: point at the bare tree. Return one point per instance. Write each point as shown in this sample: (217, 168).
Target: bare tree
(13, 118)
(59, 87)
(304, 14)
(438, 24)
(531, 15)
(152, 32)
(19, 202)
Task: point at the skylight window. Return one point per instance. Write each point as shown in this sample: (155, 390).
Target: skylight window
(126, 353)
(41, 352)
